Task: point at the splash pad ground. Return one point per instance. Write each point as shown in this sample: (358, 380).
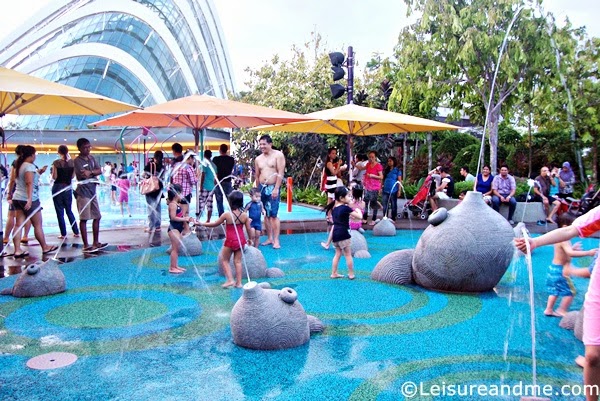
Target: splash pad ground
(142, 334)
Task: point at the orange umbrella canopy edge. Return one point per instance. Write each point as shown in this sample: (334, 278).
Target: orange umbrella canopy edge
(202, 111)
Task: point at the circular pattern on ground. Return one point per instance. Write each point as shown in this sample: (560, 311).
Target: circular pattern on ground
(462, 373)
(188, 314)
(51, 360)
(106, 313)
(412, 309)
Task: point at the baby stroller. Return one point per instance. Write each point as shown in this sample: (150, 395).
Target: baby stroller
(419, 205)
(590, 200)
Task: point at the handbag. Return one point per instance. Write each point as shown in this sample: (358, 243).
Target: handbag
(150, 184)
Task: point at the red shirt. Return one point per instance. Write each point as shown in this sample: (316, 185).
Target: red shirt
(372, 184)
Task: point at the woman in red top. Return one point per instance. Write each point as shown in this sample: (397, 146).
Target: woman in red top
(372, 184)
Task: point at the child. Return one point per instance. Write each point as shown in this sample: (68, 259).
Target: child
(113, 188)
(255, 210)
(583, 226)
(235, 220)
(176, 218)
(341, 213)
(357, 203)
(123, 185)
(558, 282)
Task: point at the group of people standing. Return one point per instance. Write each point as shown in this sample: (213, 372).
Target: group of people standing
(22, 195)
(377, 181)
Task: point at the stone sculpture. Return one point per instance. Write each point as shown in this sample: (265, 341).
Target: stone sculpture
(38, 280)
(190, 246)
(255, 262)
(395, 268)
(359, 245)
(385, 228)
(268, 319)
(458, 252)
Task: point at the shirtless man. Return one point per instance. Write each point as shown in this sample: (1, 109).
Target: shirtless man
(270, 167)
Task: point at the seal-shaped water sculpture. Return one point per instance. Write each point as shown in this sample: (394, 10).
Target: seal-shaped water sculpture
(468, 251)
(359, 247)
(267, 319)
(384, 228)
(38, 280)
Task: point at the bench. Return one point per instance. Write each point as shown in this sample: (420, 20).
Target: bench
(534, 211)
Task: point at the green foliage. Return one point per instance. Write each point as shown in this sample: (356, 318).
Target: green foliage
(462, 186)
(450, 55)
(410, 190)
(522, 187)
(310, 196)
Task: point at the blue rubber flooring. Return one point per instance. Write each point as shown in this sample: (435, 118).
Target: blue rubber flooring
(143, 334)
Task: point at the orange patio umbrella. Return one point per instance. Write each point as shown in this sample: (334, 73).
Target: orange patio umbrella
(201, 111)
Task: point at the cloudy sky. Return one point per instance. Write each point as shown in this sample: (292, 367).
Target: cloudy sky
(255, 30)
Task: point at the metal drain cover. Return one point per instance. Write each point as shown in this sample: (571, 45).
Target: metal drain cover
(51, 360)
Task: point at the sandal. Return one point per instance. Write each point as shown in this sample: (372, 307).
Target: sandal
(21, 255)
(89, 249)
(51, 249)
(24, 240)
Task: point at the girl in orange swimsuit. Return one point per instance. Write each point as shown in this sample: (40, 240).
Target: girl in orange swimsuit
(235, 239)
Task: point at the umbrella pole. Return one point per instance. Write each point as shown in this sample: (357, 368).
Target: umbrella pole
(197, 139)
(124, 156)
(349, 155)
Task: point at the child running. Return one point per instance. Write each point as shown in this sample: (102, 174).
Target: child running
(124, 185)
(583, 226)
(235, 220)
(357, 202)
(255, 211)
(341, 213)
(177, 218)
(558, 282)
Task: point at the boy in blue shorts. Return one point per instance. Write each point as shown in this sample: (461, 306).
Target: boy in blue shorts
(558, 282)
(255, 211)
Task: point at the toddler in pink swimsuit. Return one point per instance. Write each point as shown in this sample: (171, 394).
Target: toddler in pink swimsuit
(235, 239)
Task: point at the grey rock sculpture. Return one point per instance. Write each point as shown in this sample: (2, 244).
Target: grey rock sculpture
(38, 280)
(359, 246)
(573, 321)
(578, 329)
(462, 254)
(267, 319)
(395, 268)
(190, 246)
(385, 228)
(255, 262)
(568, 320)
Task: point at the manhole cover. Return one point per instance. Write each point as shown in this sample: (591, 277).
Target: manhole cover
(52, 360)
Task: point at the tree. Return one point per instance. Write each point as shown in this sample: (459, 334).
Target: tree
(300, 85)
(450, 56)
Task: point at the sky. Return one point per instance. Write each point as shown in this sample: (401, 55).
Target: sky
(255, 30)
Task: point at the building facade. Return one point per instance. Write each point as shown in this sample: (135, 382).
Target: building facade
(142, 52)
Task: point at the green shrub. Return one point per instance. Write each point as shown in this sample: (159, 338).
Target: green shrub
(462, 186)
(410, 190)
(310, 196)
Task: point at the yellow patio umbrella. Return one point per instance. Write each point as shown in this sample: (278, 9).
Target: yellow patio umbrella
(23, 94)
(357, 120)
(201, 111)
(352, 119)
